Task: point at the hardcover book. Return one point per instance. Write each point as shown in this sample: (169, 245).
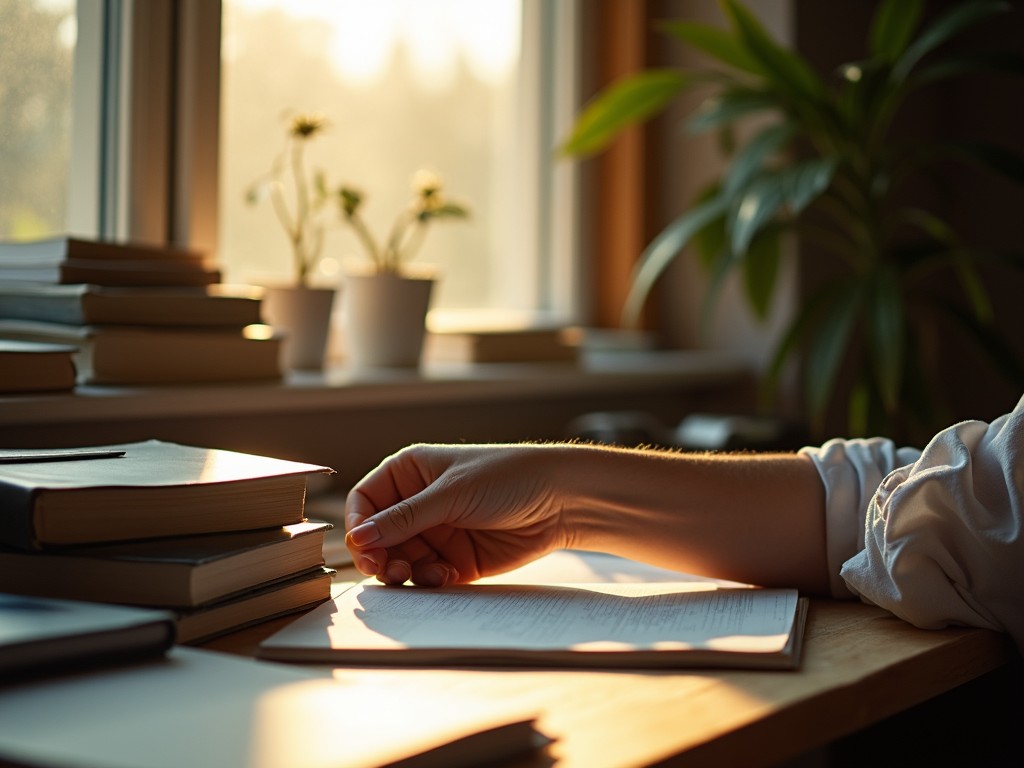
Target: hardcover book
(87, 304)
(136, 355)
(27, 366)
(46, 635)
(80, 260)
(148, 489)
(279, 598)
(173, 572)
(54, 250)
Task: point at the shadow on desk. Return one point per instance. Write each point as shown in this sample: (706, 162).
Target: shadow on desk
(977, 724)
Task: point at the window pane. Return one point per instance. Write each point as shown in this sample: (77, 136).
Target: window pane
(403, 85)
(37, 45)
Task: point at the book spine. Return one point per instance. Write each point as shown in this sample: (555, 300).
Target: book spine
(17, 516)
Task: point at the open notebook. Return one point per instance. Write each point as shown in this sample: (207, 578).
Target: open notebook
(568, 610)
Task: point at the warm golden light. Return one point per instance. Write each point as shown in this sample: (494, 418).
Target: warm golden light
(434, 34)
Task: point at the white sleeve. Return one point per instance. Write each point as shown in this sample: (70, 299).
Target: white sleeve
(943, 537)
(851, 471)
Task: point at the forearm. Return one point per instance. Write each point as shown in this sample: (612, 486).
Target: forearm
(755, 518)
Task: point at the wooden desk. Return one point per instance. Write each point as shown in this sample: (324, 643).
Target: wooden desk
(861, 665)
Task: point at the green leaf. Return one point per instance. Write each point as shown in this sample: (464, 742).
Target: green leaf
(629, 100)
(946, 27)
(804, 182)
(710, 241)
(662, 250)
(715, 42)
(787, 72)
(893, 27)
(996, 62)
(751, 159)
(761, 270)
(805, 318)
(727, 107)
(887, 335)
(829, 346)
(963, 260)
(761, 201)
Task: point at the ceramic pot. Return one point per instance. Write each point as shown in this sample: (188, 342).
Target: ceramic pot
(303, 315)
(384, 319)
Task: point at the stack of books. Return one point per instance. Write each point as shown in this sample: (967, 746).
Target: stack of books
(217, 538)
(27, 366)
(135, 314)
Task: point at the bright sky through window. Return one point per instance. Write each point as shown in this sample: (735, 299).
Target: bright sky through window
(435, 33)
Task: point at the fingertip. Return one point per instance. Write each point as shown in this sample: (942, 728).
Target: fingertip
(396, 572)
(367, 563)
(436, 575)
(363, 534)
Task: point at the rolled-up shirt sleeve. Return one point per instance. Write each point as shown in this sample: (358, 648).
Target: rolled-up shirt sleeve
(938, 538)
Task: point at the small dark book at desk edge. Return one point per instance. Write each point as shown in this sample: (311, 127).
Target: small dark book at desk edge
(61, 497)
(44, 634)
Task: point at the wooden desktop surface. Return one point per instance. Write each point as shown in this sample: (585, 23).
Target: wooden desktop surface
(860, 666)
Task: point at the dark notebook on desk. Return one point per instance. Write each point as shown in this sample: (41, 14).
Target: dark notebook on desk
(45, 635)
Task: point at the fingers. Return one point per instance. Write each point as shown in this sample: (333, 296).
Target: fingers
(396, 569)
(398, 523)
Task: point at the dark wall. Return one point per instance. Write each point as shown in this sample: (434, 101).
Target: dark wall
(985, 208)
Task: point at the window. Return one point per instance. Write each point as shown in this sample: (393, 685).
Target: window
(148, 120)
(37, 51)
(460, 87)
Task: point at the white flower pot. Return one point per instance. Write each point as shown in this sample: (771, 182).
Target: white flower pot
(303, 315)
(384, 317)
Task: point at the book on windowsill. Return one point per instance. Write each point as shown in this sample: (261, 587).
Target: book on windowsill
(81, 260)
(173, 572)
(46, 635)
(269, 601)
(148, 489)
(137, 355)
(502, 337)
(625, 624)
(54, 250)
(87, 304)
(36, 367)
(205, 709)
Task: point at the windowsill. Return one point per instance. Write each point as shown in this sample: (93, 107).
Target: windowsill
(342, 388)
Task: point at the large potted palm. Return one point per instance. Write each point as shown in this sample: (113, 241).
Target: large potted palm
(822, 162)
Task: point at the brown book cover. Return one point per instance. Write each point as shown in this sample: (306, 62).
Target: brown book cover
(148, 489)
(88, 304)
(140, 355)
(177, 572)
(79, 260)
(269, 601)
(54, 250)
(27, 366)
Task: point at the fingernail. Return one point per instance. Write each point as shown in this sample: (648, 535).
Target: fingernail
(435, 575)
(367, 565)
(397, 572)
(364, 534)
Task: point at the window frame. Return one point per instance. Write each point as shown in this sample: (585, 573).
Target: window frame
(160, 147)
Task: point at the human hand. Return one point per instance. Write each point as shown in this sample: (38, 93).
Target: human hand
(441, 514)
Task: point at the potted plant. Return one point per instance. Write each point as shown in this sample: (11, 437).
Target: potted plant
(299, 198)
(824, 163)
(386, 304)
